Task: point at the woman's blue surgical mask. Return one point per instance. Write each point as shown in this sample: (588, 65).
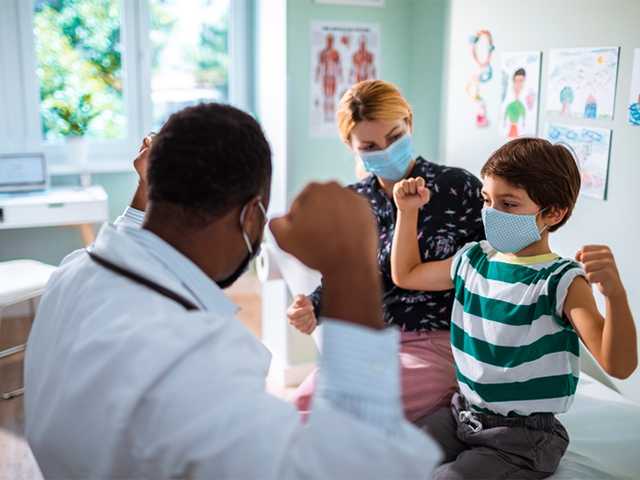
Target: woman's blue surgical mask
(508, 232)
(391, 163)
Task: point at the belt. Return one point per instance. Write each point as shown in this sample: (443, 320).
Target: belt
(479, 421)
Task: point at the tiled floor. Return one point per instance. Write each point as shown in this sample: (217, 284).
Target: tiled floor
(16, 461)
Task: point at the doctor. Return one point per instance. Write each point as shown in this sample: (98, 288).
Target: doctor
(136, 366)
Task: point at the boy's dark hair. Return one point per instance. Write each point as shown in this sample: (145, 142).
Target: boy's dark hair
(549, 173)
(207, 159)
(519, 72)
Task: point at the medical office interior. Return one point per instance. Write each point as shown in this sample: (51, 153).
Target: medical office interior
(82, 82)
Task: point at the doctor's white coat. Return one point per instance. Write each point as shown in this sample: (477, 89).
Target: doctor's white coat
(122, 382)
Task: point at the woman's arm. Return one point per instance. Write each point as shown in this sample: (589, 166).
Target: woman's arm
(611, 339)
(407, 269)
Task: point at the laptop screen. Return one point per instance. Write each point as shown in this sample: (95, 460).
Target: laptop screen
(20, 172)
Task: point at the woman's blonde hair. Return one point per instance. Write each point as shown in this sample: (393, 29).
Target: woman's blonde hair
(371, 100)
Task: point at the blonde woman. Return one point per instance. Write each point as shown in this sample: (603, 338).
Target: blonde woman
(376, 124)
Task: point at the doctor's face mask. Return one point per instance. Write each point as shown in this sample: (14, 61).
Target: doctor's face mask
(252, 248)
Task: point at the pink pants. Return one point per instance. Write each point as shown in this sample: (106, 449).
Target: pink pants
(426, 370)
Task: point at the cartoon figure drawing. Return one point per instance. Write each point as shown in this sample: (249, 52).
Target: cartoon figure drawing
(329, 71)
(634, 112)
(362, 63)
(516, 111)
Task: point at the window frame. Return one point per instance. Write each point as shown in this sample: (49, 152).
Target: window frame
(20, 127)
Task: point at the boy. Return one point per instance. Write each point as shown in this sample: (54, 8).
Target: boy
(518, 313)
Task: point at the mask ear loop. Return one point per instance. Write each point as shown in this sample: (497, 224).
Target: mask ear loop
(244, 234)
(545, 225)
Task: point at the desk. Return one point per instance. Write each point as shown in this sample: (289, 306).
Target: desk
(76, 207)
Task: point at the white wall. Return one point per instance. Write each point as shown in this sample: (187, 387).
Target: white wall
(542, 25)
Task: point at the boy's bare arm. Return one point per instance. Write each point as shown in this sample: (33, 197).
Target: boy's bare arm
(611, 339)
(407, 269)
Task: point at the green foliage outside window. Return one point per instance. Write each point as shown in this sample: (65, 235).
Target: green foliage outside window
(79, 65)
(80, 62)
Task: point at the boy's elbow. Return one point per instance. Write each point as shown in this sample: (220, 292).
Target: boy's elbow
(622, 372)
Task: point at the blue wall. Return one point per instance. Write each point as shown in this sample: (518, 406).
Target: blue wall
(412, 51)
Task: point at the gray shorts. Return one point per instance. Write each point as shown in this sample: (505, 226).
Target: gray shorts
(481, 446)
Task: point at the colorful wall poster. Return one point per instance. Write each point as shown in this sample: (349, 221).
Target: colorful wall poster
(341, 54)
(520, 94)
(482, 48)
(634, 98)
(591, 147)
(582, 82)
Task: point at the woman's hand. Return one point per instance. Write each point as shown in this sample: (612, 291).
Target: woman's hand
(411, 194)
(301, 315)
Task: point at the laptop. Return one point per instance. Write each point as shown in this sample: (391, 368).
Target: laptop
(23, 172)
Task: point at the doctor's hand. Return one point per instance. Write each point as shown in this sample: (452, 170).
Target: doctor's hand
(140, 163)
(301, 315)
(331, 229)
(411, 194)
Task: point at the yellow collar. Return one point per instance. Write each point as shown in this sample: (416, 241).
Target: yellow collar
(530, 260)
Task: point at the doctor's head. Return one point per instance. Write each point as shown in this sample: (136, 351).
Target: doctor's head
(209, 178)
(375, 121)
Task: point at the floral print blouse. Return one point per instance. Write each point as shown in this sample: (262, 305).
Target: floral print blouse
(451, 219)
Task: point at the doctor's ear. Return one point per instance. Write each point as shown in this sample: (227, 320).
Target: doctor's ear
(253, 211)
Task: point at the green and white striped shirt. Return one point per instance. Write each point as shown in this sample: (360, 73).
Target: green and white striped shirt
(515, 352)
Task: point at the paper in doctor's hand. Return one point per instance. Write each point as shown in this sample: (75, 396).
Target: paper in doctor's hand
(328, 228)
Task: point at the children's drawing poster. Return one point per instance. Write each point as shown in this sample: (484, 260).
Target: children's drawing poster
(482, 48)
(582, 82)
(591, 147)
(520, 94)
(634, 99)
(342, 54)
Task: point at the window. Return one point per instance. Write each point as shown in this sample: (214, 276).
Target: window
(189, 54)
(112, 70)
(79, 67)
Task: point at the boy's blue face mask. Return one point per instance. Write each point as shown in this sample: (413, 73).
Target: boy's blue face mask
(508, 232)
(391, 163)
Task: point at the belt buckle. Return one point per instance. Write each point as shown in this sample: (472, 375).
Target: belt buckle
(466, 417)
